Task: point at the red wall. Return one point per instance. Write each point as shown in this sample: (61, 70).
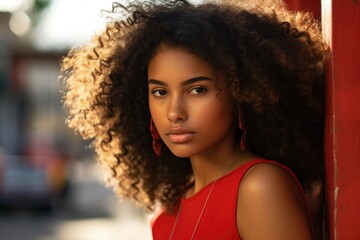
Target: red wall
(341, 27)
(341, 24)
(312, 6)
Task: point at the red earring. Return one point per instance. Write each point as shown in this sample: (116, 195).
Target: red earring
(156, 143)
(243, 146)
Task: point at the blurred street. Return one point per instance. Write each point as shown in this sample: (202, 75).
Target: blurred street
(50, 186)
(91, 212)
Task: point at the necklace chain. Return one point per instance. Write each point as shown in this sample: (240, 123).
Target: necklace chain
(205, 203)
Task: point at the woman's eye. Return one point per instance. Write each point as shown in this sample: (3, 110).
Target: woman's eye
(197, 90)
(159, 93)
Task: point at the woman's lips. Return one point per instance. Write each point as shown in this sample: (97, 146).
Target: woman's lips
(180, 135)
(180, 138)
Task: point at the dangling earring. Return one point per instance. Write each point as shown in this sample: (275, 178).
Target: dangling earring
(156, 143)
(243, 146)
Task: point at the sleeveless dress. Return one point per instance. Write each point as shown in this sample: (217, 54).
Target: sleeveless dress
(218, 221)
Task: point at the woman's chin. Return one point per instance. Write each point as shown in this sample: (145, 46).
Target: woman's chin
(181, 153)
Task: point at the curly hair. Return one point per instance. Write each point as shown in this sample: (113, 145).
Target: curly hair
(272, 62)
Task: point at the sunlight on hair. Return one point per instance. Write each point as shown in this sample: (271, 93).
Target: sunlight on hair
(70, 22)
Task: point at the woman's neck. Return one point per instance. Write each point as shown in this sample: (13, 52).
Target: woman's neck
(208, 167)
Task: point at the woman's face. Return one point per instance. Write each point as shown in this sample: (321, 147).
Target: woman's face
(191, 111)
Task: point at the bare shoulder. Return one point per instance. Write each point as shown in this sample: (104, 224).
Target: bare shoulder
(268, 177)
(271, 205)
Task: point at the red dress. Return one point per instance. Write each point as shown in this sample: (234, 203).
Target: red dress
(219, 217)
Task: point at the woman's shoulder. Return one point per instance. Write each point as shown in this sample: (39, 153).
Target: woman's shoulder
(270, 198)
(259, 172)
(266, 172)
(269, 179)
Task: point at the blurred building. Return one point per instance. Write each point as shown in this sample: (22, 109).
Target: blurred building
(36, 147)
(42, 162)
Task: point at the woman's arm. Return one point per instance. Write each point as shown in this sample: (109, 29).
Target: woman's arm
(271, 206)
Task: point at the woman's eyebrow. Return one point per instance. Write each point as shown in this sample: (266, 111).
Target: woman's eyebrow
(156, 82)
(196, 79)
(184, 83)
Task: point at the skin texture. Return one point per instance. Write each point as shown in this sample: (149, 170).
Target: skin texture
(184, 98)
(270, 206)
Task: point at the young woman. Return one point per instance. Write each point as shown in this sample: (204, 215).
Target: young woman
(212, 114)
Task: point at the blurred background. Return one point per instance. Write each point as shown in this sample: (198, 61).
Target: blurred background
(50, 185)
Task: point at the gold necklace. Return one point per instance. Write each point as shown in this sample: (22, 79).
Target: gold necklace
(205, 203)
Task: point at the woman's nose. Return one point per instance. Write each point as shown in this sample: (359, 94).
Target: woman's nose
(177, 110)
